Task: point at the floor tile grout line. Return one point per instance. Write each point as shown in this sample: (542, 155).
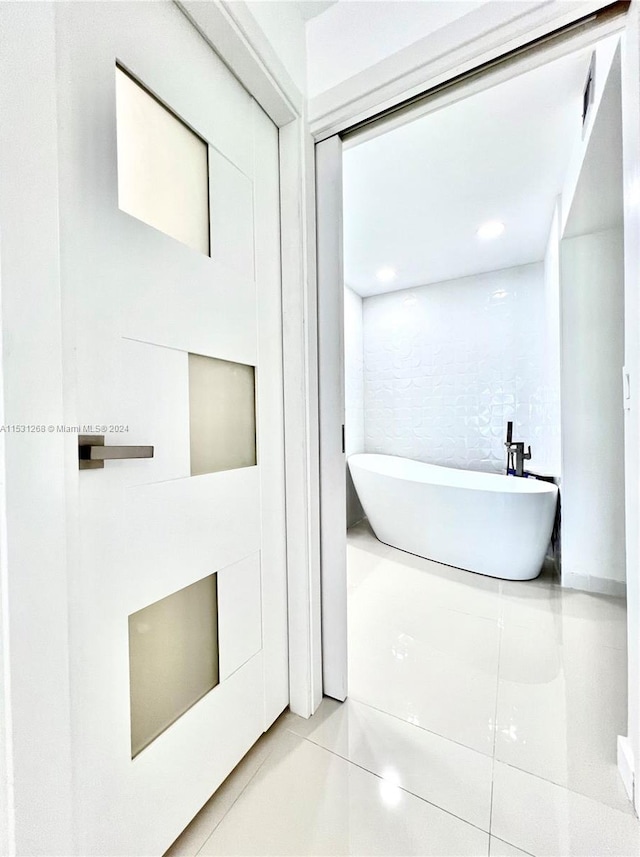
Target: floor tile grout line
(288, 730)
(491, 619)
(236, 799)
(512, 844)
(566, 788)
(383, 779)
(495, 711)
(615, 648)
(418, 726)
(552, 598)
(514, 623)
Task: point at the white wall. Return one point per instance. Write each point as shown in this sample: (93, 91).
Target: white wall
(629, 748)
(353, 393)
(447, 365)
(592, 351)
(593, 530)
(551, 435)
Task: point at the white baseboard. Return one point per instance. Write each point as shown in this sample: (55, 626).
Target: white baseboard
(625, 765)
(599, 585)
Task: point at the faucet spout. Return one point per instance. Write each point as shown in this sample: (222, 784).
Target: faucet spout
(516, 456)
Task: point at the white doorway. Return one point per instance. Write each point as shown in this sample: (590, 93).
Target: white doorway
(400, 121)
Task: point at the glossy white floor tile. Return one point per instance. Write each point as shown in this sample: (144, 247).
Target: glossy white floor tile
(498, 848)
(559, 704)
(196, 834)
(601, 619)
(306, 800)
(405, 641)
(529, 673)
(447, 774)
(482, 719)
(546, 819)
(446, 586)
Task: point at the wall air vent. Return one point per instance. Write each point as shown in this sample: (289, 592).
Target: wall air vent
(588, 91)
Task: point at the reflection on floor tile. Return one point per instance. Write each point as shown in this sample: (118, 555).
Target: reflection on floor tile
(546, 819)
(434, 667)
(558, 707)
(306, 800)
(482, 719)
(447, 774)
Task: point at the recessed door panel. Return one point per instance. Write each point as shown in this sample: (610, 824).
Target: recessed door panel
(232, 237)
(173, 658)
(187, 528)
(154, 402)
(240, 628)
(222, 414)
(163, 166)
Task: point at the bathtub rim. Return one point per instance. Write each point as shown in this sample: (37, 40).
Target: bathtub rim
(473, 480)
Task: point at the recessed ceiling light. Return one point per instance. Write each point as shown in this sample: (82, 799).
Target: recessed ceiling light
(491, 229)
(386, 275)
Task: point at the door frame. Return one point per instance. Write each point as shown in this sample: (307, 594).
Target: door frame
(333, 494)
(330, 135)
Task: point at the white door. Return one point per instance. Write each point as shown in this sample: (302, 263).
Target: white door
(169, 221)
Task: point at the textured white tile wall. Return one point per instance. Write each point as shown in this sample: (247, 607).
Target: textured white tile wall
(447, 365)
(550, 441)
(353, 392)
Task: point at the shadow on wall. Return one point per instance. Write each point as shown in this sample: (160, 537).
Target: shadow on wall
(355, 512)
(354, 394)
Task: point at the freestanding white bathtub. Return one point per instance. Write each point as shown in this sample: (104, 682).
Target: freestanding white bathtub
(483, 522)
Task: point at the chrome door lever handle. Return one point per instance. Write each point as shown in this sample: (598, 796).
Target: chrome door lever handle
(92, 451)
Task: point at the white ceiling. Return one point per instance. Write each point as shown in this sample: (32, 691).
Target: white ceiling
(415, 196)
